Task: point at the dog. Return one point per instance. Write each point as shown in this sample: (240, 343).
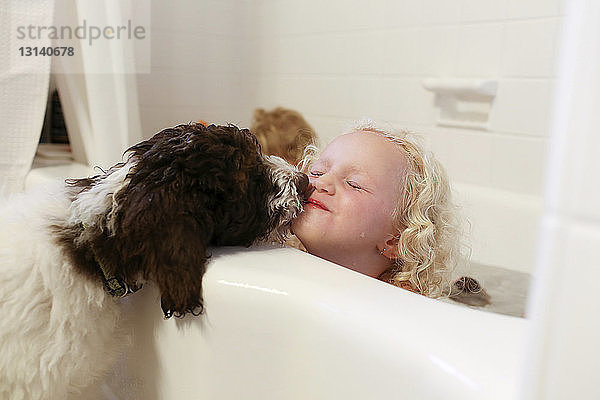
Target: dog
(67, 254)
(283, 132)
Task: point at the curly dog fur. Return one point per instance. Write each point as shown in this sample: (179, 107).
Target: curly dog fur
(150, 218)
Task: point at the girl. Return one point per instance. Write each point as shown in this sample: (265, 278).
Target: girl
(381, 206)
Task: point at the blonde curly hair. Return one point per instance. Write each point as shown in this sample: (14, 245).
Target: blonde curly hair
(429, 230)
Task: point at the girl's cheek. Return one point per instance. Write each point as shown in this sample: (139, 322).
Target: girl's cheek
(369, 208)
(356, 206)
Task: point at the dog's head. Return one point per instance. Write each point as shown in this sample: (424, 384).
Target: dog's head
(187, 188)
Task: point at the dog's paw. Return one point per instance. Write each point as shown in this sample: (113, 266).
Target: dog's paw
(170, 310)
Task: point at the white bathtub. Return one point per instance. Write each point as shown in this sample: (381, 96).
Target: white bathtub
(282, 324)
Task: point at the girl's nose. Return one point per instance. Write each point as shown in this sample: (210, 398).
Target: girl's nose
(323, 184)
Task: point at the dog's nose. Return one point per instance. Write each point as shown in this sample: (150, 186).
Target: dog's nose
(304, 186)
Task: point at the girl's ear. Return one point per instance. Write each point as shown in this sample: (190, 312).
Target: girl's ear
(389, 247)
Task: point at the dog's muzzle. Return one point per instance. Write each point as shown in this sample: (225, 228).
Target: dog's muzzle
(304, 187)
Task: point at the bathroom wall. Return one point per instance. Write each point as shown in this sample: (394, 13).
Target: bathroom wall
(337, 61)
(196, 63)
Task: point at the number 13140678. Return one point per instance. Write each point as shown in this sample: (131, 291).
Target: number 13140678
(46, 51)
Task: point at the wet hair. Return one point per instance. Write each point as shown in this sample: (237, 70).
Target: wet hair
(426, 220)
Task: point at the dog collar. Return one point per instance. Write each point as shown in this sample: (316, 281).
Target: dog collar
(116, 287)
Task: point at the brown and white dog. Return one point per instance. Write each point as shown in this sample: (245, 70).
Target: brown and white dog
(68, 253)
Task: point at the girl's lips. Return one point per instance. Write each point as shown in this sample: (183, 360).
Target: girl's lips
(316, 204)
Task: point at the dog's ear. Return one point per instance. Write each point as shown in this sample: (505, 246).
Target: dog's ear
(164, 223)
(165, 240)
(181, 258)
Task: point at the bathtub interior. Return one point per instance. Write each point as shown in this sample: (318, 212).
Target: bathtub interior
(283, 324)
(507, 289)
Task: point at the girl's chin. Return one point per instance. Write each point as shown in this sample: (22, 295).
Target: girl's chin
(296, 225)
(301, 222)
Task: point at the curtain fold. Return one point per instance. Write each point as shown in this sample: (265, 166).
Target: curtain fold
(96, 86)
(24, 90)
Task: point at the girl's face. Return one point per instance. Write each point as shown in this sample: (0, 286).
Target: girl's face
(348, 217)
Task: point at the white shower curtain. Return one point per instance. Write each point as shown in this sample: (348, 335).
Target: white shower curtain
(24, 90)
(99, 99)
(100, 106)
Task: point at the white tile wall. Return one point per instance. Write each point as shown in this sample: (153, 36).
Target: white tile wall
(523, 159)
(404, 100)
(212, 17)
(337, 61)
(465, 153)
(367, 58)
(479, 50)
(436, 12)
(402, 13)
(399, 52)
(180, 89)
(522, 106)
(482, 10)
(534, 8)
(437, 49)
(197, 53)
(197, 56)
(530, 48)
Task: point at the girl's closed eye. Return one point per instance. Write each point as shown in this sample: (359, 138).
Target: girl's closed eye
(316, 173)
(354, 185)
